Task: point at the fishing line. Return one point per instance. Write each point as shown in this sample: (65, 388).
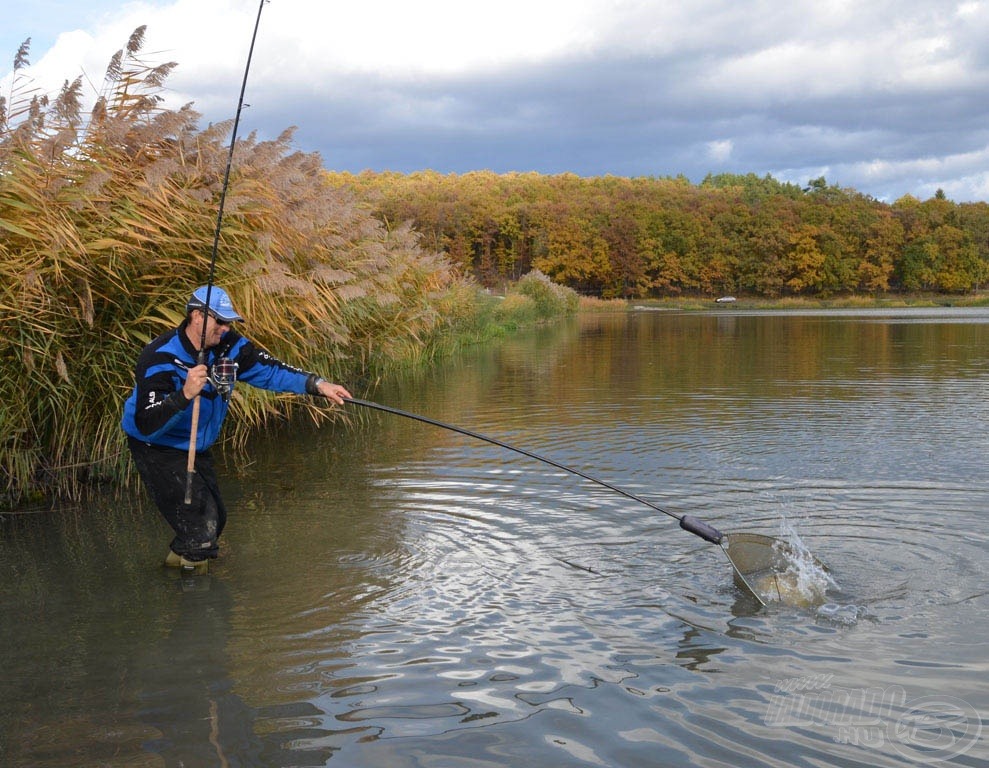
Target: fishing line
(191, 465)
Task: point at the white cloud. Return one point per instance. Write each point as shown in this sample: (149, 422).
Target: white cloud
(719, 151)
(889, 96)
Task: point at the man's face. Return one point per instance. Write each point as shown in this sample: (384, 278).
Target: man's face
(215, 328)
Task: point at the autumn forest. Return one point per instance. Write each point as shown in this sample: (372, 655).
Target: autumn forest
(637, 237)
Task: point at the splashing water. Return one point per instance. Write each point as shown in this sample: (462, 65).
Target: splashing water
(811, 579)
(797, 578)
(804, 581)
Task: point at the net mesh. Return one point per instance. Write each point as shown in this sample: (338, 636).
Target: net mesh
(772, 570)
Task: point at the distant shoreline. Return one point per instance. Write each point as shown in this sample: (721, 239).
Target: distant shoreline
(890, 301)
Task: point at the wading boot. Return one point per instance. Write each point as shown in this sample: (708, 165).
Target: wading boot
(173, 560)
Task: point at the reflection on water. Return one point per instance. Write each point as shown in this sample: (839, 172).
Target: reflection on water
(394, 594)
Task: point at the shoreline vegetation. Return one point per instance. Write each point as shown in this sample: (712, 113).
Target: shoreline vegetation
(707, 304)
(107, 216)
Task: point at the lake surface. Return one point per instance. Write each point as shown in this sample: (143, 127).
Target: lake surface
(394, 594)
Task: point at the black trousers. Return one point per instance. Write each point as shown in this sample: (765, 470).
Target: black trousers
(197, 525)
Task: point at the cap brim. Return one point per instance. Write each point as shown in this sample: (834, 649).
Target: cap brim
(196, 304)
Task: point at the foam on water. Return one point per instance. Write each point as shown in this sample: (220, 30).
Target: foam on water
(833, 613)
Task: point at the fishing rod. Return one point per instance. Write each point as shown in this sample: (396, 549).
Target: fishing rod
(191, 464)
(688, 523)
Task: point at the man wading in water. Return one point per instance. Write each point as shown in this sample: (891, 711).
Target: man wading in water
(158, 415)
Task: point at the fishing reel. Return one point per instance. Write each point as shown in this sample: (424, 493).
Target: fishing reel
(223, 376)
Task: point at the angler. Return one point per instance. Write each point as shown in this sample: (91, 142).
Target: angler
(198, 364)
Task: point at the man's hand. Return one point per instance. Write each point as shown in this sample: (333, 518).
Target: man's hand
(195, 380)
(334, 392)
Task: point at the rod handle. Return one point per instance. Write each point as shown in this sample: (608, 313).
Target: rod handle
(702, 529)
(190, 467)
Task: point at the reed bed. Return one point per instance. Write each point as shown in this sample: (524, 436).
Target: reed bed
(107, 219)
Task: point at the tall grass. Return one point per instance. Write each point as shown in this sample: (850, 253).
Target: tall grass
(106, 226)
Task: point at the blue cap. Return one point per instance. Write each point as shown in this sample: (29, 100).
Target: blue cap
(219, 303)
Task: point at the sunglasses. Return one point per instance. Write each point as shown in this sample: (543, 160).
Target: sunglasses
(217, 320)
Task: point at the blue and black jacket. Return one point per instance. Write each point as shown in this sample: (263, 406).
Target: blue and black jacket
(157, 412)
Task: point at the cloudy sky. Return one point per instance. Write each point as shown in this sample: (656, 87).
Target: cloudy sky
(889, 98)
